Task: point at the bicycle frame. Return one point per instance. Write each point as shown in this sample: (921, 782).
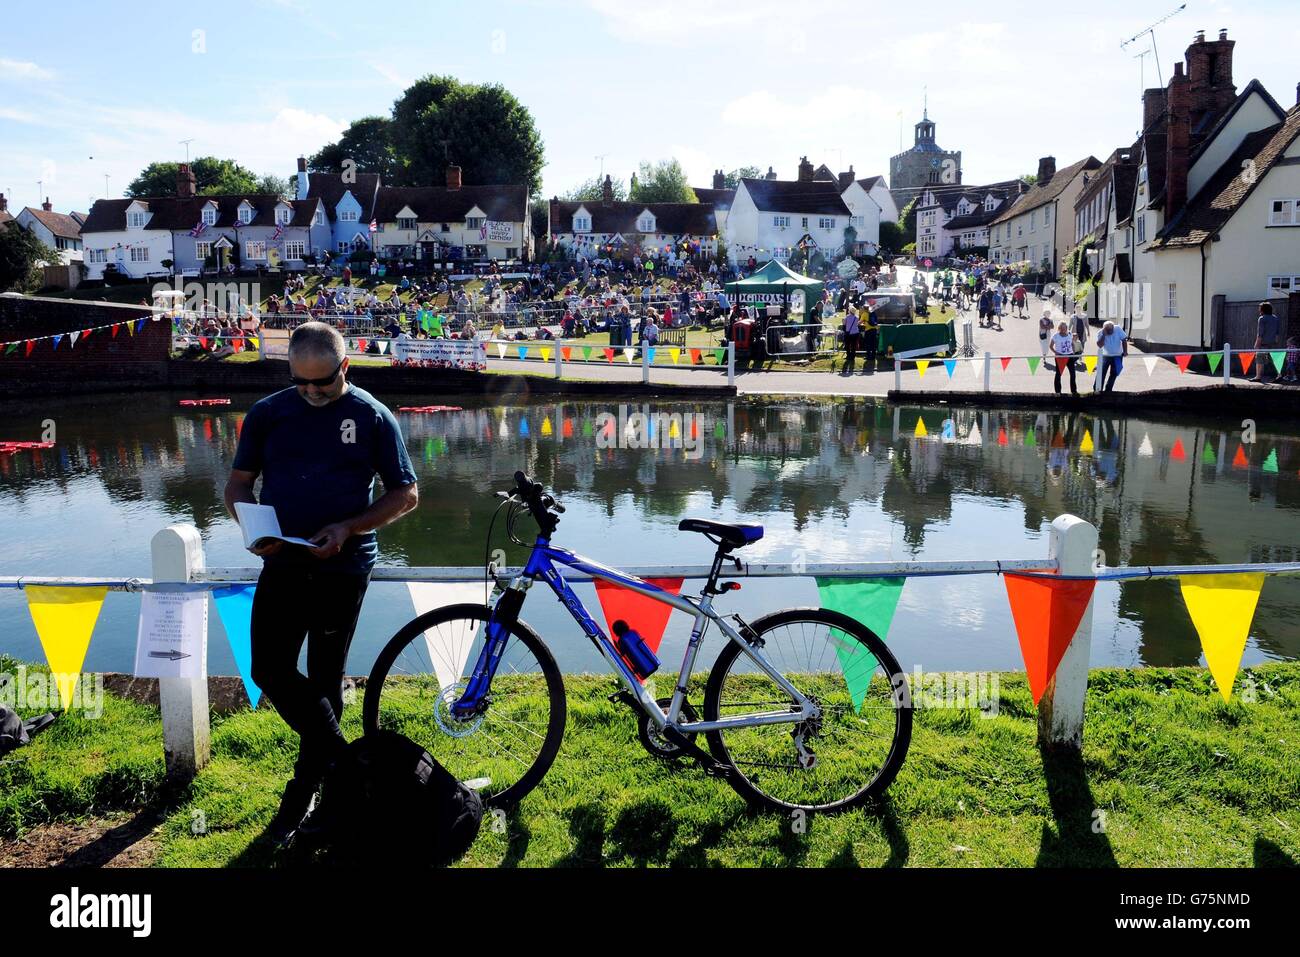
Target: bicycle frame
(542, 565)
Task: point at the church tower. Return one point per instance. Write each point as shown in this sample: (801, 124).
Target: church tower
(923, 165)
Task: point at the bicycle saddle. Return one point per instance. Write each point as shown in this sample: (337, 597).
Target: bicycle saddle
(734, 536)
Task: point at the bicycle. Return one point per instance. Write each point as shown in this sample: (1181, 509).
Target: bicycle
(826, 735)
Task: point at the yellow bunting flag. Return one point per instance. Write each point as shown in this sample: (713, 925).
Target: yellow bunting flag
(546, 355)
(1091, 363)
(547, 429)
(675, 353)
(921, 431)
(64, 619)
(1222, 608)
(1086, 444)
(922, 365)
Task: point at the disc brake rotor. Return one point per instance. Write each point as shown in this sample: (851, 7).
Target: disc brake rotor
(449, 723)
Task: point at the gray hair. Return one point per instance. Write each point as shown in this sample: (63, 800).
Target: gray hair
(317, 340)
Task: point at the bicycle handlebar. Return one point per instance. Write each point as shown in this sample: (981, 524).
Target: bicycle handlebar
(541, 503)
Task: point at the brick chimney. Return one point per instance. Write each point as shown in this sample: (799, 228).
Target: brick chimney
(1046, 170)
(186, 186)
(846, 179)
(453, 177)
(1153, 108)
(770, 174)
(1209, 75)
(805, 170)
(607, 191)
(1177, 142)
(46, 205)
(4, 204)
(719, 179)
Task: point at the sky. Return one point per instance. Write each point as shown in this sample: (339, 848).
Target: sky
(89, 90)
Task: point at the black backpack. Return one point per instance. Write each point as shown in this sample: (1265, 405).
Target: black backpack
(15, 732)
(393, 802)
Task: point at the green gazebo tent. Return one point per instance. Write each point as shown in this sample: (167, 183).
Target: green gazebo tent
(774, 283)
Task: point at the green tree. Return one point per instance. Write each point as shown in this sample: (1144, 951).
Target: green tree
(541, 210)
(275, 184)
(1029, 179)
(907, 221)
(483, 129)
(368, 143)
(662, 182)
(20, 251)
(212, 177)
(590, 190)
(732, 180)
(891, 236)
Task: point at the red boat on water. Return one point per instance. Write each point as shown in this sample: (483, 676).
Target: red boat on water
(204, 402)
(429, 408)
(15, 446)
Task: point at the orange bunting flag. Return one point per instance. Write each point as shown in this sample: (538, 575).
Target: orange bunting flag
(695, 357)
(1183, 360)
(1246, 359)
(1047, 613)
(647, 617)
(1178, 453)
(1239, 461)
(565, 352)
(609, 355)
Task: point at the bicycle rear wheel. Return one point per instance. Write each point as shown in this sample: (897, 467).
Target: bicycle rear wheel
(864, 730)
(424, 668)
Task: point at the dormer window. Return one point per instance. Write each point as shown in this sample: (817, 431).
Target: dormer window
(646, 223)
(318, 219)
(209, 215)
(245, 214)
(282, 215)
(406, 222)
(581, 223)
(135, 219)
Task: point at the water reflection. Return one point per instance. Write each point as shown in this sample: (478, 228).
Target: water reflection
(832, 480)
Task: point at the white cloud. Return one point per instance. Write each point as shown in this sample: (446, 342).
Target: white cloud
(23, 70)
(17, 116)
(818, 115)
(391, 75)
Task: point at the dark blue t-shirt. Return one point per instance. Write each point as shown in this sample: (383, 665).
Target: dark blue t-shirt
(318, 467)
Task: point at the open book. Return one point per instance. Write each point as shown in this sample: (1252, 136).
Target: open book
(261, 527)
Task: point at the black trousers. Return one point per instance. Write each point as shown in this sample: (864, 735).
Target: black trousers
(292, 604)
(872, 338)
(851, 347)
(1061, 367)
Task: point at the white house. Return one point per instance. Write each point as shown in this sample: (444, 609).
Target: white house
(349, 201)
(455, 221)
(953, 219)
(56, 230)
(1039, 226)
(770, 218)
(592, 227)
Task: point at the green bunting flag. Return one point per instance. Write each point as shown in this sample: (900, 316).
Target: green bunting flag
(719, 354)
(1279, 360)
(871, 601)
(1207, 457)
(1031, 440)
(586, 353)
(1033, 364)
(11, 348)
(1215, 358)
(1270, 463)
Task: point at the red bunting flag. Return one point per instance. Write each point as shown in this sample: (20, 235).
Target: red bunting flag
(1183, 359)
(85, 333)
(1002, 436)
(31, 344)
(695, 357)
(1246, 359)
(567, 429)
(1047, 613)
(203, 342)
(1060, 362)
(645, 616)
(1239, 461)
(1006, 361)
(609, 355)
(1178, 453)
(361, 344)
(115, 327)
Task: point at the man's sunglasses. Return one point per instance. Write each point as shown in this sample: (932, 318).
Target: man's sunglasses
(320, 383)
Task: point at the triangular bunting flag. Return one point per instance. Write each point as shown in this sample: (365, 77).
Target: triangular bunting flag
(522, 351)
(501, 350)
(921, 431)
(1047, 613)
(1270, 463)
(950, 365)
(1006, 361)
(628, 354)
(203, 342)
(1183, 359)
(1145, 450)
(113, 330)
(1033, 364)
(586, 353)
(647, 617)
(1279, 360)
(252, 342)
(871, 601)
(565, 352)
(976, 367)
(72, 339)
(547, 428)
(362, 343)
(1150, 362)
(1246, 359)
(546, 354)
(675, 354)
(1208, 457)
(609, 355)
(11, 348)
(448, 644)
(695, 357)
(28, 351)
(1090, 363)
(57, 340)
(1061, 363)
(1031, 440)
(1178, 453)
(1222, 608)
(1086, 445)
(235, 609)
(64, 618)
(1239, 461)
(1215, 359)
(650, 355)
(1002, 436)
(921, 366)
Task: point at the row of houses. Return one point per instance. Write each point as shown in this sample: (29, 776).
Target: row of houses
(58, 231)
(339, 214)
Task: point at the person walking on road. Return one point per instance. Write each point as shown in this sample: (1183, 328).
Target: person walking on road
(1063, 353)
(1266, 334)
(1112, 343)
(1045, 332)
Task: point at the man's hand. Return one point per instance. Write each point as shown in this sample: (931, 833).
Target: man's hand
(330, 539)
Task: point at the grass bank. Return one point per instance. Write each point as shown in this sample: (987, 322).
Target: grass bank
(1170, 776)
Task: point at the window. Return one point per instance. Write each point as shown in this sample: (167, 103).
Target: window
(96, 255)
(245, 214)
(858, 221)
(826, 222)
(1033, 220)
(344, 247)
(202, 251)
(254, 249)
(348, 216)
(646, 224)
(781, 222)
(318, 219)
(446, 227)
(1020, 228)
(475, 222)
(1142, 173)
(1284, 212)
(406, 222)
(1142, 228)
(1282, 285)
(293, 249)
(1171, 307)
(1128, 238)
(139, 254)
(209, 216)
(581, 224)
(1047, 216)
(282, 216)
(60, 242)
(135, 219)
(804, 223)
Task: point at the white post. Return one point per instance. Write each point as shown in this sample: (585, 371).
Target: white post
(177, 557)
(898, 374)
(559, 359)
(988, 369)
(1227, 364)
(731, 363)
(261, 343)
(1073, 545)
(645, 363)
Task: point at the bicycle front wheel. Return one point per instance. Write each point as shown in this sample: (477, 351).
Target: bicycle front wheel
(858, 742)
(423, 670)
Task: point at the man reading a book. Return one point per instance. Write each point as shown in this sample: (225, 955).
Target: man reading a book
(317, 446)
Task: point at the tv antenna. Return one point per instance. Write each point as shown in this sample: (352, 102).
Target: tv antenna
(1142, 71)
(1151, 30)
(601, 157)
(186, 144)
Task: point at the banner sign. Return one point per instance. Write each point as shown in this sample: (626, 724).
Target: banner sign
(500, 232)
(772, 298)
(440, 353)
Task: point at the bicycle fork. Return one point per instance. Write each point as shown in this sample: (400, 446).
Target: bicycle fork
(504, 615)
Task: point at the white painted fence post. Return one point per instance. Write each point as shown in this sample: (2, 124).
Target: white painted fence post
(261, 343)
(988, 370)
(177, 557)
(645, 363)
(898, 374)
(1073, 545)
(1227, 364)
(559, 359)
(731, 363)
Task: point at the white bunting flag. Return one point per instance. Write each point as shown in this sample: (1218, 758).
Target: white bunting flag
(448, 644)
